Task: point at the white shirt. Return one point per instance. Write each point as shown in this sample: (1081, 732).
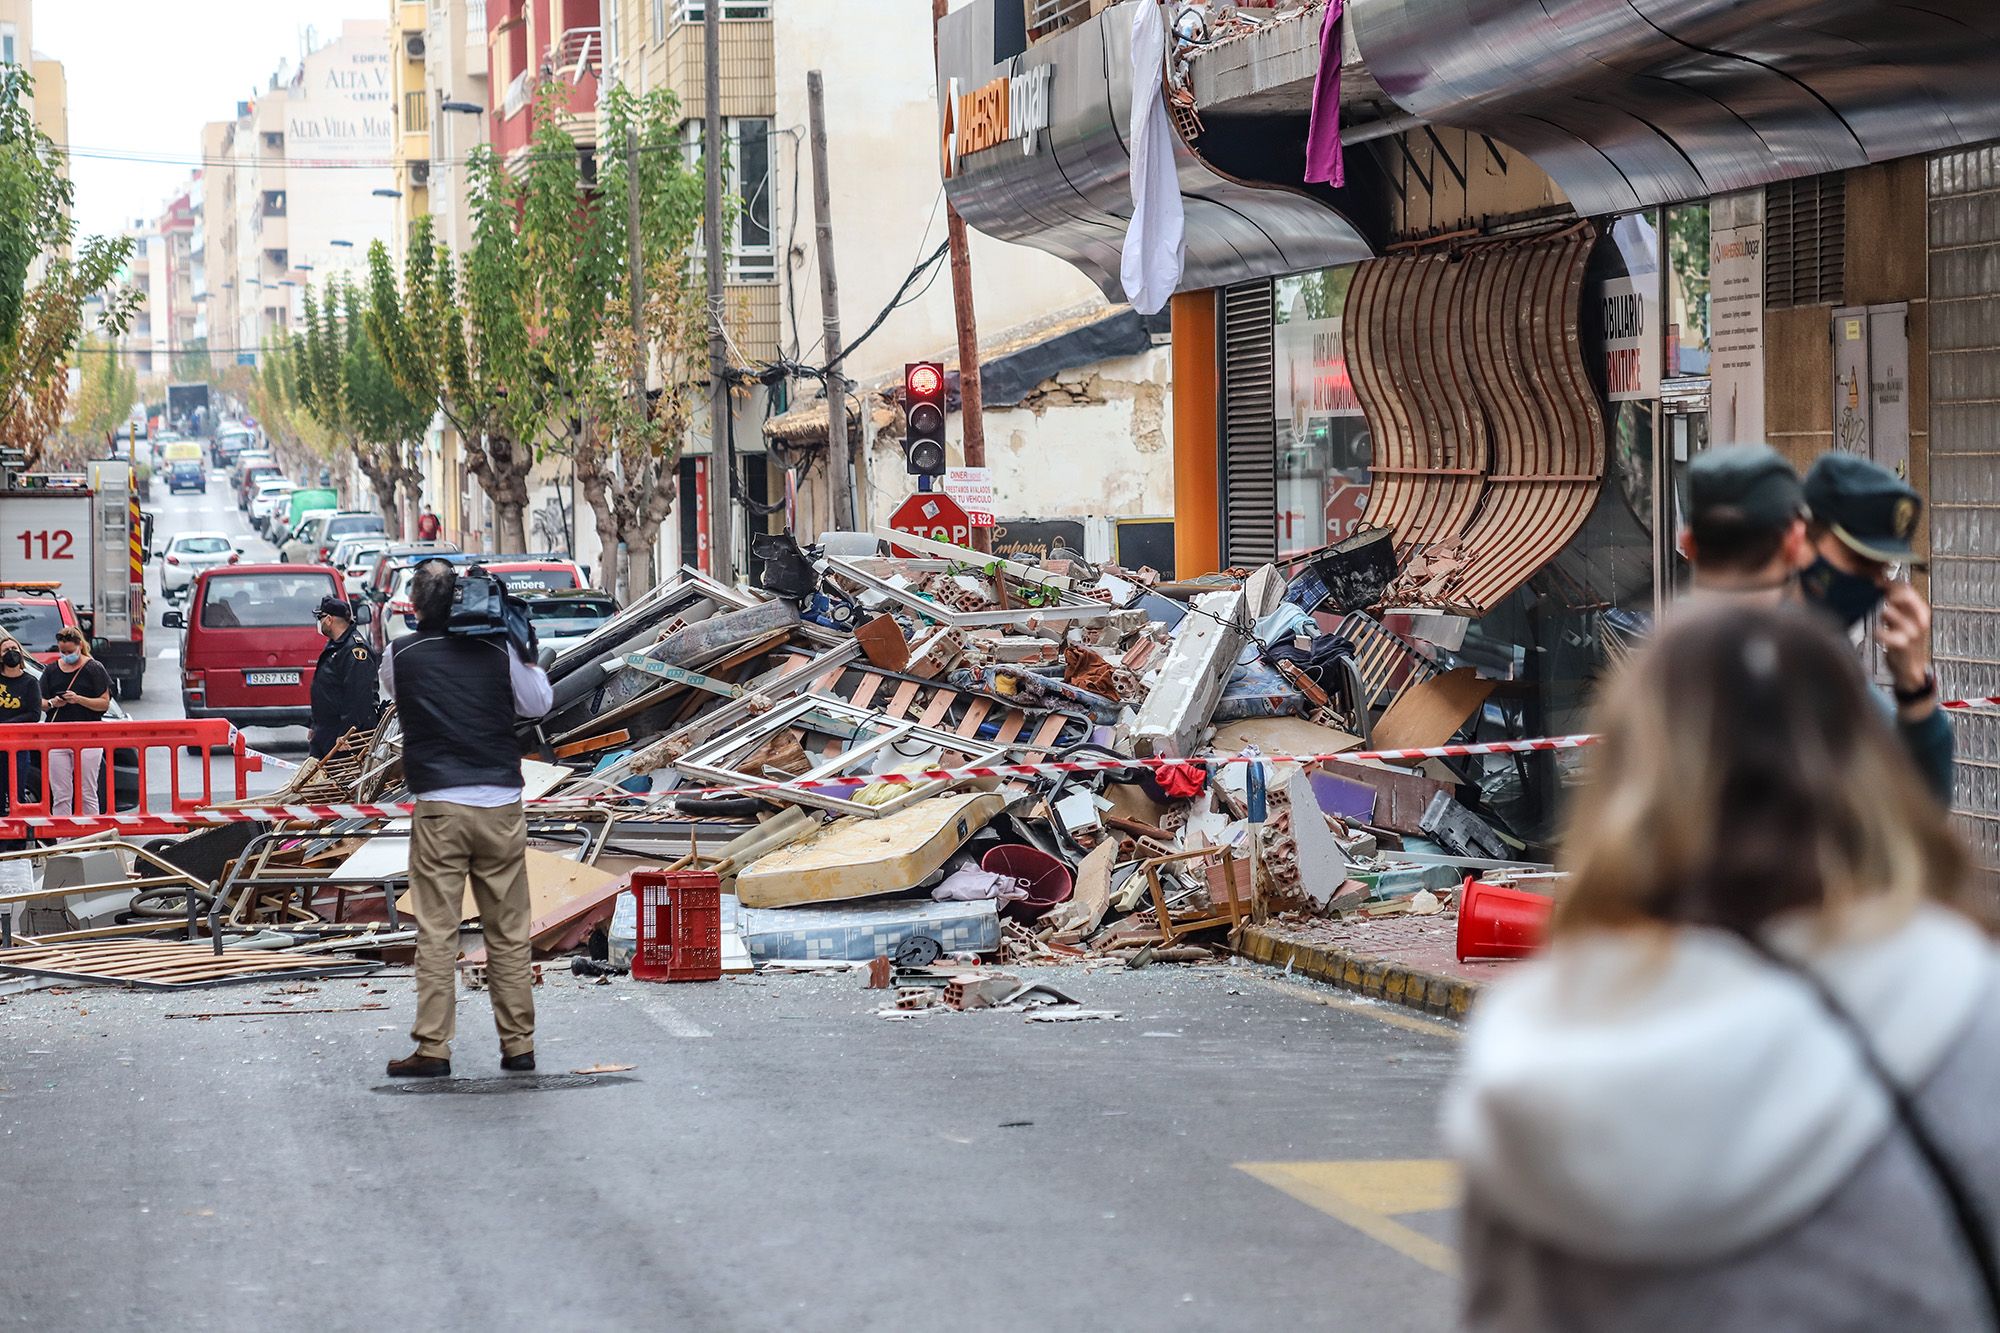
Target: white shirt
(533, 697)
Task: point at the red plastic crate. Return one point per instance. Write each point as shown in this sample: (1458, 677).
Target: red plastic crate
(680, 925)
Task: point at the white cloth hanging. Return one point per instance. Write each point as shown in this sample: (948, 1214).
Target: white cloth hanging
(1150, 265)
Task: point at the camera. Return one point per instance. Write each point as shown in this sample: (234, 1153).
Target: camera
(481, 607)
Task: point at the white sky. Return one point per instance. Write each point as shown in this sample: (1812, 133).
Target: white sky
(144, 76)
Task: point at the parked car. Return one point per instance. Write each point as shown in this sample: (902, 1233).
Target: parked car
(251, 642)
(272, 494)
(521, 574)
(253, 474)
(301, 544)
(564, 619)
(34, 614)
(188, 554)
(354, 557)
(248, 459)
(312, 543)
(187, 474)
(232, 439)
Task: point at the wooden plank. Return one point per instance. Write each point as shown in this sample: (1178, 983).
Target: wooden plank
(939, 705)
(1431, 712)
(592, 744)
(899, 702)
(1049, 731)
(864, 692)
(1010, 726)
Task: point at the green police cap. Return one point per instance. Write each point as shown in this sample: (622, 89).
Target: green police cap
(1871, 509)
(1753, 480)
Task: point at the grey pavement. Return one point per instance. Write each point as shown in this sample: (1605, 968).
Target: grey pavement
(779, 1157)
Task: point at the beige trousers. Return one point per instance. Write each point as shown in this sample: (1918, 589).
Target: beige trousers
(451, 847)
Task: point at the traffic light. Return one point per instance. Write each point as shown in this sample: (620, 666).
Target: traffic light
(923, 419)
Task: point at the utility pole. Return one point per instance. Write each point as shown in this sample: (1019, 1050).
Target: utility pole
(839, 458)
(971, 402)
(721, 467)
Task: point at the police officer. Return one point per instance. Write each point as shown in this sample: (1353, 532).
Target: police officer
(343, 692)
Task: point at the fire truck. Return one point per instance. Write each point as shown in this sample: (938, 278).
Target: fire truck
(82, 536)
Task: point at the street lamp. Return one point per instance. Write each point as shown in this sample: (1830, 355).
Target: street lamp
(345, 245)
(384, 192)
(463, 108)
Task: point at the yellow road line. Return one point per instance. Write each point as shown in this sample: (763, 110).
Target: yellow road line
(1368, 1196)
(1380, 1011)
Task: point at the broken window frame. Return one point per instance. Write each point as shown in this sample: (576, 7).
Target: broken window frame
(1068, 606)
(711, 762)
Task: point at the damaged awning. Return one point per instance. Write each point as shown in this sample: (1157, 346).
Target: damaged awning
(1488, 438)
(1652, 101)
(809, 425)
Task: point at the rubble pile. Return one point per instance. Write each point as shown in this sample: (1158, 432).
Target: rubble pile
(904, 756)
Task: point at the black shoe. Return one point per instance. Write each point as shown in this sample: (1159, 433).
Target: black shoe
(419, 1065)
(524, 1063)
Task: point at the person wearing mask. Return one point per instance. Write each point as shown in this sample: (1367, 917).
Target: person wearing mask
(20, 701)
(343, 688)
(76, 688)
(1748, 1083)
(427, 526)
(458, 697)
(1838, 541)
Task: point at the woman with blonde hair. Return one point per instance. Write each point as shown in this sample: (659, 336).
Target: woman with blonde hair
(1749, 1083)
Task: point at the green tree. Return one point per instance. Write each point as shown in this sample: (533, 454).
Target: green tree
(107, 386)
(345, 384)
(45, 276)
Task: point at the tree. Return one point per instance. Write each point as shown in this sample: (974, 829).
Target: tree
(347, 387)
(45, 277)
(107, 388)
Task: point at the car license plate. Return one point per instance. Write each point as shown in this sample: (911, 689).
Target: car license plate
(271, 677)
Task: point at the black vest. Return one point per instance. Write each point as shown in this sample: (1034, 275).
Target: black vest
(455, 699)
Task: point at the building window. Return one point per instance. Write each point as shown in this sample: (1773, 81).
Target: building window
(693, 11)
(9, 37)
(614, 12)
(659, 19)
(747, 179)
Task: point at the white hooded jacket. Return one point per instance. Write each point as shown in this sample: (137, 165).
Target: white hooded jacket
(1670, 1097)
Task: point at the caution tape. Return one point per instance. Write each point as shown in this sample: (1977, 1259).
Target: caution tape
(59, 824)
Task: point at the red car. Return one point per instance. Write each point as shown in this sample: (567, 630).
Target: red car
(33, 614)
(251, 642)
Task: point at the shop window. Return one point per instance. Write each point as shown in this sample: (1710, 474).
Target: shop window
(1687, 290)
(1322, 438)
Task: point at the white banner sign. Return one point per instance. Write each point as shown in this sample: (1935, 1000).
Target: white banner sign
(972, 487)
(1632, 338)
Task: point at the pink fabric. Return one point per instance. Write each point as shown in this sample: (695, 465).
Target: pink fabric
(1323, 131)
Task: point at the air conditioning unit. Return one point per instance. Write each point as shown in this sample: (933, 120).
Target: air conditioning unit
(420, 174)
(413, 46)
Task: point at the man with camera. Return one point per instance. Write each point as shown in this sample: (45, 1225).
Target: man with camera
(459, 684)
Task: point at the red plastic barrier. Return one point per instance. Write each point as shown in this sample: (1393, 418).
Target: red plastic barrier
(1495, 921)
(25, 749)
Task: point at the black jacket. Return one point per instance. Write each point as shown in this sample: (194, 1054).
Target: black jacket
(343, 692)
(455, 699)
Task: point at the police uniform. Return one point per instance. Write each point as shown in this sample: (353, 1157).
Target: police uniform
(343, 689)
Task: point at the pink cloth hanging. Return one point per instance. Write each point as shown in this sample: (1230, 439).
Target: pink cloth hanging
(1323, 130)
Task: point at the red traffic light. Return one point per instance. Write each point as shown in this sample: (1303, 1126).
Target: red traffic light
(923, 380)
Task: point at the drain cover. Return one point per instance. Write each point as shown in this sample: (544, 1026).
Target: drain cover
(507, 1083)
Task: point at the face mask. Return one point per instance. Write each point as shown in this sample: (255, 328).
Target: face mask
(71, 659)
(1848, 598)
(10, 658)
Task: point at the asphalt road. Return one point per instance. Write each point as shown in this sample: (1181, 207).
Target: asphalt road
(217, 512)
(1236, 1152)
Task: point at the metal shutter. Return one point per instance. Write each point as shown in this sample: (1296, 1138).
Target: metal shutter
(1805, 241)
(1249, 426)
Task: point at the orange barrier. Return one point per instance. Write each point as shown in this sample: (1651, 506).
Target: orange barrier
(30, 751)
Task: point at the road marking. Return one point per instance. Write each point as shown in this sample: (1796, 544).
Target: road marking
(1379, 1010)
(676, 1023)
(1370, 1196)
(167, 654)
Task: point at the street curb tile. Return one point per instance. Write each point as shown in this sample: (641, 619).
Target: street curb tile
(1365, 974)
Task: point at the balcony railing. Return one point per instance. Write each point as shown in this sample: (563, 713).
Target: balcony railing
(1046, 17)
(576, 52)
(692, 11)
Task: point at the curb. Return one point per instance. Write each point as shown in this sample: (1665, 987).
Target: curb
(1365, 974)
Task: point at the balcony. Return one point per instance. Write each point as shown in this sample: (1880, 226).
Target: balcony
(749, 82)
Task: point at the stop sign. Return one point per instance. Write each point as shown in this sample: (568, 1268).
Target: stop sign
(932, 514)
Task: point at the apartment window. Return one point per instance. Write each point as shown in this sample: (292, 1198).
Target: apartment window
(614, 11)
(9, 37)
(747, 178)
(659, 19)
(416, 112)
(694, 11)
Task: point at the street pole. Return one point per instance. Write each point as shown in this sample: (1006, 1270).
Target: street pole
(721, 467)
(971, 402)
(839, 458)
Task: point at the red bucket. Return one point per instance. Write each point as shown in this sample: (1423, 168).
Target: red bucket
(1047, 880)
(1495, 921)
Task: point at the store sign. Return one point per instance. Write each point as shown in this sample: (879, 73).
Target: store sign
(995, 113)
(1313, 363)
(1631, 339)
(1736, 319)
(972, 487)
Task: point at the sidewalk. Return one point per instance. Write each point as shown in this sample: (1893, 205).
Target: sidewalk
(1406, 960)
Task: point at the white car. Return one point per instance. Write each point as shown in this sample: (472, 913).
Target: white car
(188, 554)
(355, 558)
(270, 494)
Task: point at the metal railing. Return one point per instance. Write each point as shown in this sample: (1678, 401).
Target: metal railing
(576, 50)
(1052, 16)
(692, 11)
